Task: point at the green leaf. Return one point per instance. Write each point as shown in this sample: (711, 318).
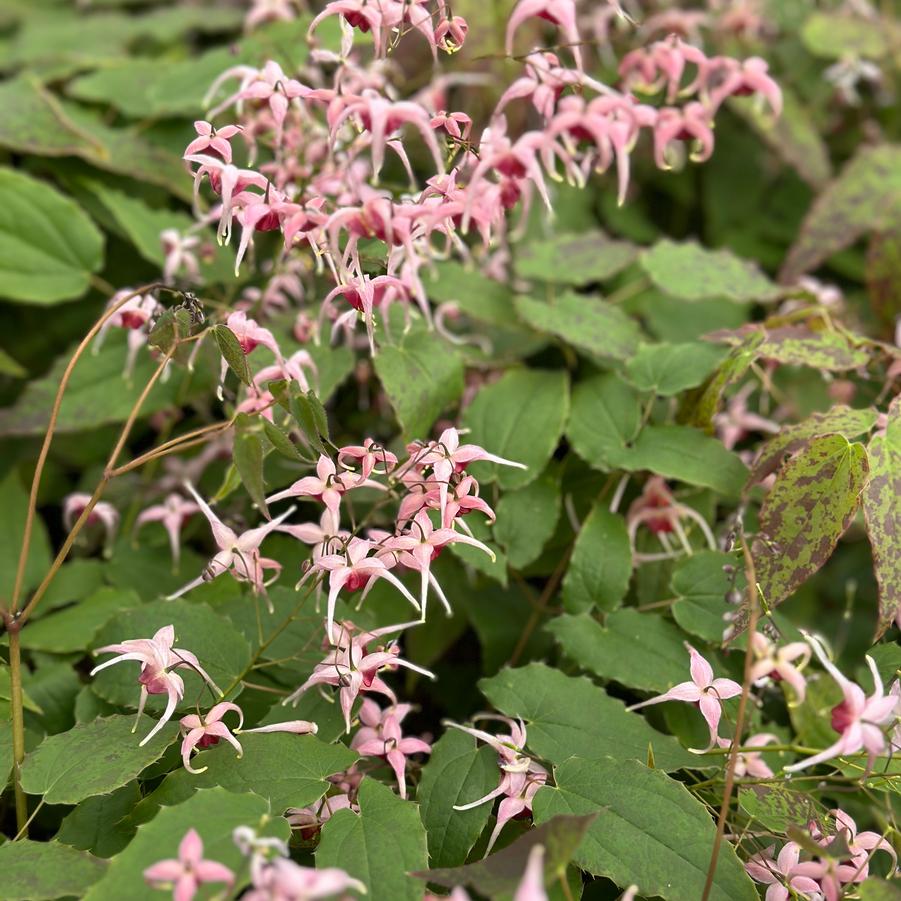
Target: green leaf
(93, 758)
(835, 35)
(650, 831)
(89, 401)
(74, 628)
(222, 651)
(691, 272)
(793, 135)
(866, 196)
(700, 584)
(839, 420)
(577, 259)
(669, 369)
(882, 509)
(34, 871)
(475, 294)
(569, 716)
(808, 509)
(282, 442)
(587, 322)
(6, 691)
(379, 846)
(95, 824)
(232, 353)
(601, 564)
(48, 247)
(422, 375)
(33, 122)
(777, 807)
(287, 770)
(527, 519)
(14, 503)
(687, 454)
(520, 418)
(875, 889)
(11, 367)
(248, 458)
(214, 813)
(458, 772)
(499, 875)
(606, 417)
(638, 650)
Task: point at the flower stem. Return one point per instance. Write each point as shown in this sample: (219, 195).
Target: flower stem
(14, 628)
(753, 612)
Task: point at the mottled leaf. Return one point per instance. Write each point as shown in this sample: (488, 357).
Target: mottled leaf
(576, 259)
(882, 509)
(808, 509)
(866, 196)
(839, 420)
(837, 35)
(691, 272)
(776, 807)
(587, 322)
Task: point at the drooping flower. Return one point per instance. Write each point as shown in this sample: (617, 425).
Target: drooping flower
(189, 871)
(781, 874)
(750, 763)
(238, 554)
(381, 736)
(103, 514)
(172, 513)
(703, 689)
(861, 721)
(772, 662)
(203, 731)
(159, 659)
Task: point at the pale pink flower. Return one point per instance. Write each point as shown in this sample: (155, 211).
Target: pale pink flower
(283, 880)
(215, 142)
(782, 874)
(159, 660)
(189, 871)
(179, 251)
(771, 662)
(676, 127)
(250, 335)
(134, 317)
(703, 689)
(862, 846)
(103, 514)
(308, 820)
(531, 886)
(351, 570)
(750, 763)
(861, 721)
(263, 11)
(561, 13)
(381, 17)
(354, 669)
(368, 456)
(199, 732)
(238, 554)
(381, 736)
(173, 513)
(327, 486)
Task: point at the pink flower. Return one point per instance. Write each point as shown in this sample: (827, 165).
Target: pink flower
(352, 570)
(782, 875)
(380, 17)
(354, 669)
(531, 886)
(103, 513)
(159, 660)
(186, 874)
(521, 776)
(561, 13)
(250, 335)
(179, 251)
(369, 456)
(749, 763)
(283, 880)
(308, 820)
(705, 691)
(172, 513)
(238, 554)
(674, 127)
(327, 486)
(862, 846)
(381, 737)
(199, 732)
(215, 142)
(771, 662)
(860, 720)
(134, 316)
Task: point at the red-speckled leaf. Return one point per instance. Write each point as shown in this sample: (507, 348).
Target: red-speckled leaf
(808, 509)
(866, 196)
(882, 509)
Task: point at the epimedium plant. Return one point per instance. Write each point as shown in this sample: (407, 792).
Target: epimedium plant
(415, 514)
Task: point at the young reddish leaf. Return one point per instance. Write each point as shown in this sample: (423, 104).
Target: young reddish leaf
(882, 509)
